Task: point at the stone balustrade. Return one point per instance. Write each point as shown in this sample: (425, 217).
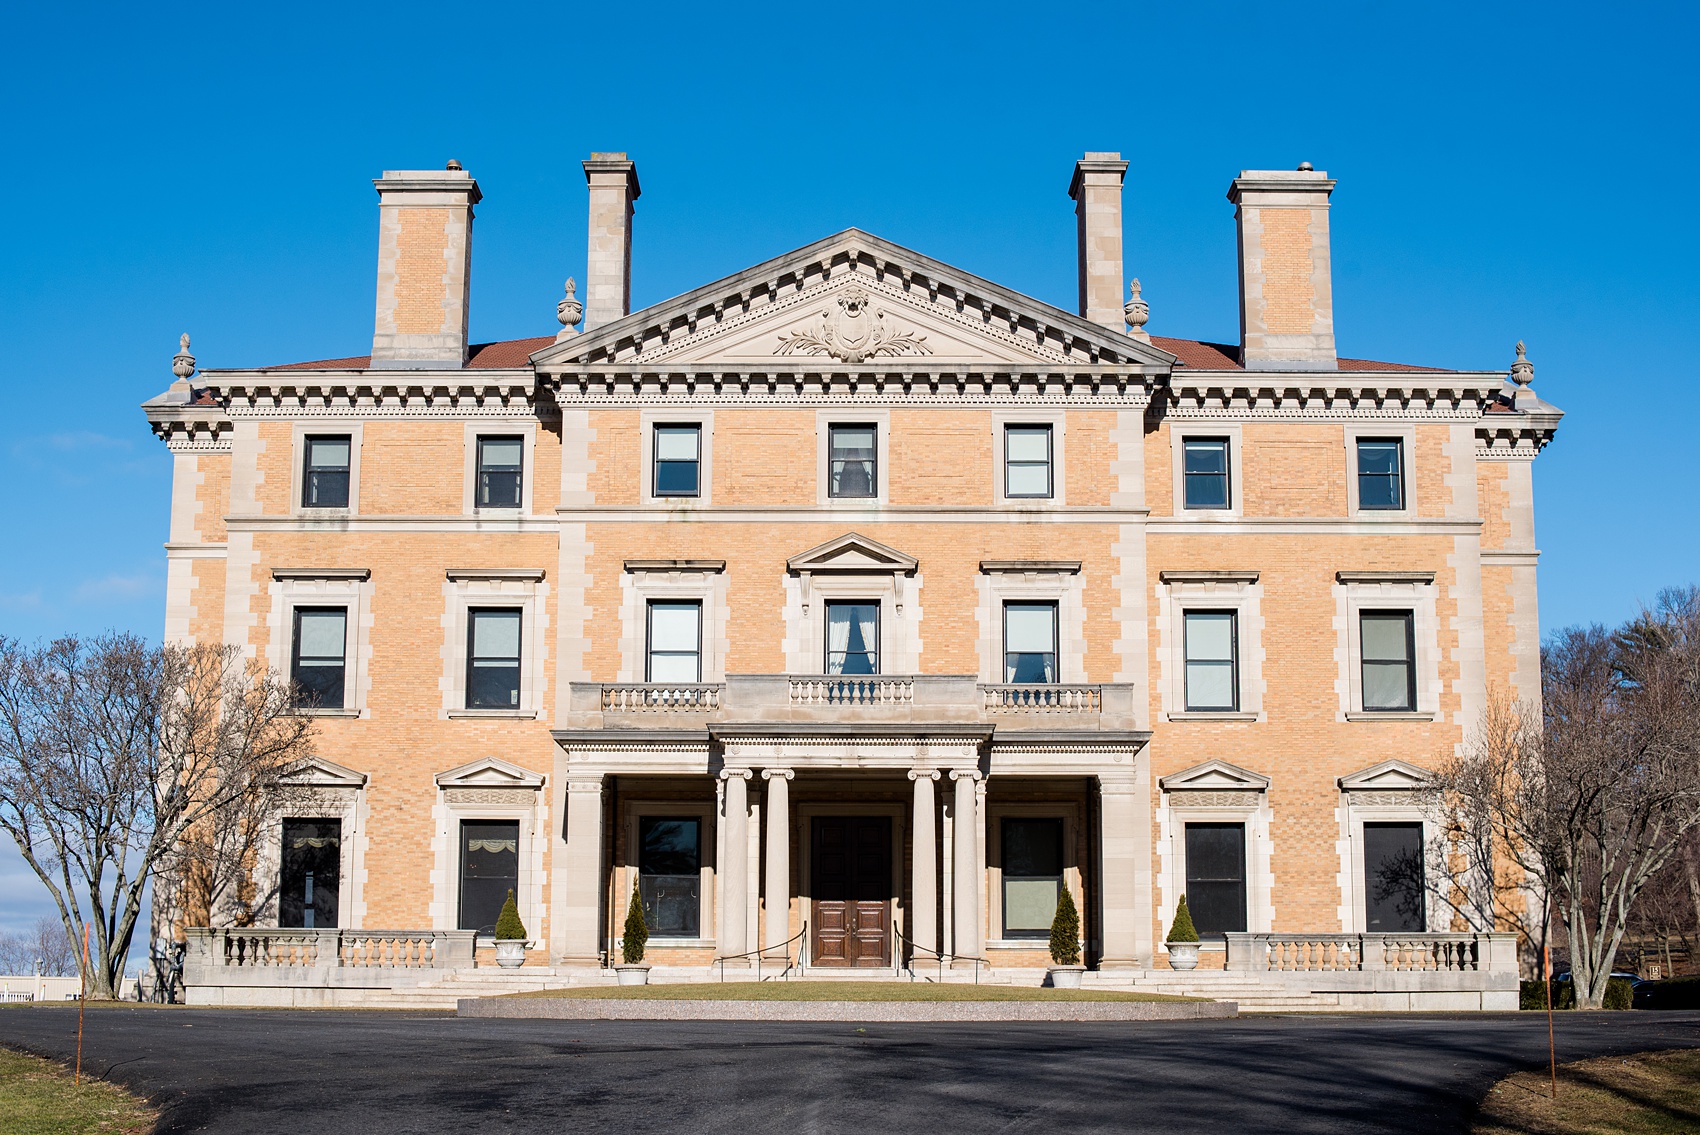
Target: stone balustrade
(270, 948)
(1467, 952)
(1047, 699)
(863, 691)
(661, 697)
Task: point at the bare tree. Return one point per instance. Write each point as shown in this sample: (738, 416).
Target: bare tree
(45, 945)
(1597, 802)
(115, 755)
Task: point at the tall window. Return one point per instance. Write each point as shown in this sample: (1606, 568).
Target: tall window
(678, 461)
(1205, 472)
(501, 469)
(1212, 661)
(1389, 660)
(675, 642)
(1381, 473)
(1215, 877)
(489, 868)
(318, 663)
(1393, 878)
(492, 658)
(670, 875)
(852, 465)
(324, 474)
(852, 638)
(1032, 876)
(1027, 461)
(1030, 642)
(312, 871)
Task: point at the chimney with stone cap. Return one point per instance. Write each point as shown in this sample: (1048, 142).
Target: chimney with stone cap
(1286, 294)
(424, 267)
(1097, 193)
(608, 273)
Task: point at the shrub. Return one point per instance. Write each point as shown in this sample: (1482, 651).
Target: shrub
(508, 926)
(1533, 995)
(1671, 993)
(1182, 929)
(1065, 931)
(1620, 993)
(637, 931)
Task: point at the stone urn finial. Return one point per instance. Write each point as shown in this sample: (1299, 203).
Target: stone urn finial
(183, 364)
(569, 311)
(1137, 312)
(1522, 371)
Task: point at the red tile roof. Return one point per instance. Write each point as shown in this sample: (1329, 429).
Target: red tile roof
(516, 352)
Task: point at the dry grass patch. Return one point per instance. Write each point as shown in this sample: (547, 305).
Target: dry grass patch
(1651, 1093)
(37, 1097)
(844, 991)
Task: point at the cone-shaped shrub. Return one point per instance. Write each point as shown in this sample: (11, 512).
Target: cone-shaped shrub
(637, 931)
(1182, 929)
(1065, 931)
(508, 926)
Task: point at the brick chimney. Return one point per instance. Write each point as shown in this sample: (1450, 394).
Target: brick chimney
(1286, 294)
(608, 273)
(424, 267)
(1097, 193)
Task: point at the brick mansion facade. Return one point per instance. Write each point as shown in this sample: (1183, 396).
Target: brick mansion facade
(852, 607)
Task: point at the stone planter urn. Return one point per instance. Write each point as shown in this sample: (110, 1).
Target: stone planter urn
(1183, 955)
(633, 974)
(1065, 977)
(510, 953)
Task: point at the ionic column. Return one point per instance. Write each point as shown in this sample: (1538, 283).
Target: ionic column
(578, 875)
(924, 855)
(734, 872)
(778, 886)
(966, 918)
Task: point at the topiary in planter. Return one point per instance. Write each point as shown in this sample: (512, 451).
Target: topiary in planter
(508, 926)
(637, 931)
(1065, 931)
(1182, 929)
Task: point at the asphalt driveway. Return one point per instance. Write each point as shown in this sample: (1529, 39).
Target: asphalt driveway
(377, 1073)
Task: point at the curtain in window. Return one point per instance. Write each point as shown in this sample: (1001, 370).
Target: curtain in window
(852, 461)
(489, 868)
(852, 638)
(310, 873)
(1030, 642)
(500, 462)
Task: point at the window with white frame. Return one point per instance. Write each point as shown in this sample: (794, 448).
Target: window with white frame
(318, 664)
(1027, 461)
(677, 460)
(1030, 642)
(1206, 473)
(1212, 661)
(489, 870)
(1388, 652)
(501, 472)
(853, 637)
(1381, 473)
(675, 641)
(492, 658)
(325, 470)
(853, 460)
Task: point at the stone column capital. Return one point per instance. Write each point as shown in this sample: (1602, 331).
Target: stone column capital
(777, 773)
(737, 773)
(966, 774)
(923, 774)
(580, 782)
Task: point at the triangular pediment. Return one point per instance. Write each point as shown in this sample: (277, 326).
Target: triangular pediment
(1388, 775)
(489, 772)
(852, 300)
(1214, 774)
(317, 772)
(853, 552)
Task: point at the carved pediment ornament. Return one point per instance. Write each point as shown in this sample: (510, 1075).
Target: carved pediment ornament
(856, 331)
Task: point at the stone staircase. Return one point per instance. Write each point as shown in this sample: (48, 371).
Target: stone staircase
(1252, 994)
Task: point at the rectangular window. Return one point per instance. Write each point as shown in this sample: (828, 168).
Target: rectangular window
(324, 474)
(1381, 473)
(1215, 878)
(501, 465)
(670, 875)
(312, 870)
(1027, 461)
(1212, 661)
(1393, 879)
(852, 465)
(675, 642)
(1389, 654)
(1029, 642)
(678, 461)
(1032, 876)
(1206, 472)
(489, 869)
(852, 638)
(318, 663)
(492, 658)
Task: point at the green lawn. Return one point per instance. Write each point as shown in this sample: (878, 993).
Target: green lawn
(1653, 1093)
(37, 1097)
(845, 991)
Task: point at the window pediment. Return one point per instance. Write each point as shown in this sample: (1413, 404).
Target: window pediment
(489, 772)
(1388, 775)
(316, 772)
(852, 553)
(1214, 775)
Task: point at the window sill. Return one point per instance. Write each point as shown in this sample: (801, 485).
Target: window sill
(517, 714)
(1211, 715)
(1392, 715)
(307, 512)
(306, 711)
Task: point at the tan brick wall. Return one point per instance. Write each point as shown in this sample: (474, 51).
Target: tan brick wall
(1289, 290)
(421, 270)
(413, 468)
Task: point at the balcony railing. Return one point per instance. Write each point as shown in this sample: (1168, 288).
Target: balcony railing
(1042, 699)
(658, 697)
(1410, 953)
(852, 691)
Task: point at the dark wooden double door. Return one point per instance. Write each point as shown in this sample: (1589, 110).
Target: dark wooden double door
(850, 868)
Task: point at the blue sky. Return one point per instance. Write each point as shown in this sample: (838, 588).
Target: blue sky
(1505, 172)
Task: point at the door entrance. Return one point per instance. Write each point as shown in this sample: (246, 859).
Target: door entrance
(851, 884)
